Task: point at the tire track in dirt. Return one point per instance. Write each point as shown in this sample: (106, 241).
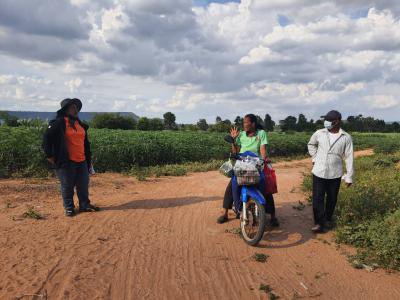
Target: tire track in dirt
(159, 239)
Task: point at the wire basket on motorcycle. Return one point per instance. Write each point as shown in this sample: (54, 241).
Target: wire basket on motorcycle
(247, 170)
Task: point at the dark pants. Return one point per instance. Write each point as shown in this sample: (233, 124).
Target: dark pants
(74, 175)
(323, 210)
(228, 200)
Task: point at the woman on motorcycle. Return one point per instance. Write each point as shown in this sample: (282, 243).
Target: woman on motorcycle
(253, 138)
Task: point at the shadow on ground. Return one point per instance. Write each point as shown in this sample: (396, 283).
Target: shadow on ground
(160, 203)
(294, 229)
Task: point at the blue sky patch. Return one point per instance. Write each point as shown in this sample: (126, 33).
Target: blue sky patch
(359, 13)
(207, 2)
(283, 20)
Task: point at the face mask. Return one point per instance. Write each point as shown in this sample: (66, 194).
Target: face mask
(328, 125)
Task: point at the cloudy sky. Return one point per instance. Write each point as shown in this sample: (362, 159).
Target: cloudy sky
(200, 58)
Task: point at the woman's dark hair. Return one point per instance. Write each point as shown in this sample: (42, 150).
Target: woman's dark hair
(254, 119)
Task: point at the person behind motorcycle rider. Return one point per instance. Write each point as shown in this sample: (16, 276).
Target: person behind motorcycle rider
(253, 138)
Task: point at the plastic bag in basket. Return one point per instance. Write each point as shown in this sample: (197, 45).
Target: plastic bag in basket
(226, 169)
(246, 173)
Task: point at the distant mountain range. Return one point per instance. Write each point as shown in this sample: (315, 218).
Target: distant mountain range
(44, 115)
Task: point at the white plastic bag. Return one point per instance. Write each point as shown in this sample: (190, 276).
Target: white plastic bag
(246, 172)
(226, 169)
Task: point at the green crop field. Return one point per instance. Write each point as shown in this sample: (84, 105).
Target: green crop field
(368, 214)
(123, 150)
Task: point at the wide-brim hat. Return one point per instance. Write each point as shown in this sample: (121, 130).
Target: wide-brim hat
(66, 102)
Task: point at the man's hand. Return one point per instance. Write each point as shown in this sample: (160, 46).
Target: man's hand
(51, 160)
(234, 132)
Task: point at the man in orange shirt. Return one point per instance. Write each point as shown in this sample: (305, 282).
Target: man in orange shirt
(67, 148)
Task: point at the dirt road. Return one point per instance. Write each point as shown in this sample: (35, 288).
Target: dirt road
(159, 240)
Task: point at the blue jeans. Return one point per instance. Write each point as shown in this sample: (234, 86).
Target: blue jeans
(74, 175)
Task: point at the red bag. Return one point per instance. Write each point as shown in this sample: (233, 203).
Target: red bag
(271, 185)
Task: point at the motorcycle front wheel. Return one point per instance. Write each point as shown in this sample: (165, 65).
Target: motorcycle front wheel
(253, 225)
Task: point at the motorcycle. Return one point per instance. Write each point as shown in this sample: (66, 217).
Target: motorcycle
(248, 200)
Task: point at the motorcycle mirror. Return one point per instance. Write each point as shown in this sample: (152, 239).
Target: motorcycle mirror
(229, 139)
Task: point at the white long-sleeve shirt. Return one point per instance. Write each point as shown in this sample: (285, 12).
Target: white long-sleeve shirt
(328, 158)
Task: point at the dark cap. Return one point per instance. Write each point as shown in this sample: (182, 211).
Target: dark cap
(66, 102)
(332, 115)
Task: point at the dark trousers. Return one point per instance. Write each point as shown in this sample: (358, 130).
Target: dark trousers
(323, 210)
(228, 200)
(75, 175)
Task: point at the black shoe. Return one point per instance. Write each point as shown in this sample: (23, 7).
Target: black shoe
(89, 208)
(69, 213)
(329, 225)
(274, 222)
(222, 219)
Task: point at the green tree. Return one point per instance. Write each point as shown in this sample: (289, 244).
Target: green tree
(202, 124)
(302, 123)
(192, 127)
(260, 121)
(222, 126)
(288, 124)
(319, 124)
(238, 122)
(269, 124)
(9, 120)
(366, 124)
(227, 122)
(169, 121)
(156, 124)
(113, 121)
(143, 124)
(311, 126)
(218, 119)
(394, 127)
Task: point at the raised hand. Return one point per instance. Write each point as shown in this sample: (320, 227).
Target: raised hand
(234, 132)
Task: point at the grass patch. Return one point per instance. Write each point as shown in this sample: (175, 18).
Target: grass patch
(323, 241)
(32, 214)
(142, 173)
(320, 275)
(260, 257)
(236, 230)
(265, 288)
(273, 296)
(299, 206)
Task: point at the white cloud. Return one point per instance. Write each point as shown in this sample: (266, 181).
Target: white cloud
(381, 101)
(74, 84)
(150, 56)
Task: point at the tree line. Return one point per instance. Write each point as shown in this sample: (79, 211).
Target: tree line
(357, 123)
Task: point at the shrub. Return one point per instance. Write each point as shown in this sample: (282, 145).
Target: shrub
(387, 147)
(20, 152)
(113, 121)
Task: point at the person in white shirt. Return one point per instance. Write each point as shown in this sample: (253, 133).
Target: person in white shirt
(329, 147)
